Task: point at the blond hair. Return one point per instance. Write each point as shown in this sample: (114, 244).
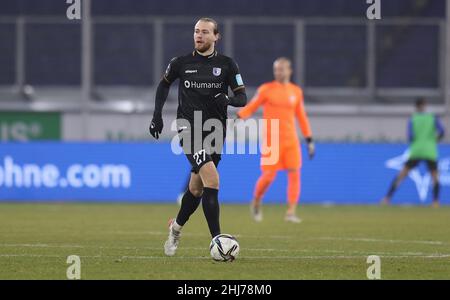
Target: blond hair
(210, 20)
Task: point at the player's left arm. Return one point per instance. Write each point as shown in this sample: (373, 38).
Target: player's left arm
(305, 126)
(235, 82)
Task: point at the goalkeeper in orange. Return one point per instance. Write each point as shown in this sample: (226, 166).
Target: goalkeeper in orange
(281, 100)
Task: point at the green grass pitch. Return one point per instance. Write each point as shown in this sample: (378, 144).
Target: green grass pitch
(123, 241)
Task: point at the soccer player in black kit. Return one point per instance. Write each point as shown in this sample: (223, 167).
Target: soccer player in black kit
(205, 77)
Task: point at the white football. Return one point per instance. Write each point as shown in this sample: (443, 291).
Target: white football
(224, 247)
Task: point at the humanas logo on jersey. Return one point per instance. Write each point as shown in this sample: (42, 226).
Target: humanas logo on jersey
(203, 85)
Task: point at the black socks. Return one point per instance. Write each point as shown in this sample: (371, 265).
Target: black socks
(210, 203)
(393, 187)
(436, 190)
(189, 204)
(211, 210)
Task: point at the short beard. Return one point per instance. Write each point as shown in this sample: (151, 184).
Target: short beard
(203, 49)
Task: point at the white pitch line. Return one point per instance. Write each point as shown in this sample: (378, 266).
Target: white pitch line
(164, 233)
(48, 255)
(373, 240)
(29, 255)
(147, 248)
(362, 253)
(154, 233)
(382, 241)
(41, 246)
(318, 257)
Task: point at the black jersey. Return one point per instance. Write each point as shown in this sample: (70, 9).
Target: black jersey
(201, 79)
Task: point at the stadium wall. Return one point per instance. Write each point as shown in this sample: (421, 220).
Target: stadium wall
(121, 127)
(134, 127)
(351, 173)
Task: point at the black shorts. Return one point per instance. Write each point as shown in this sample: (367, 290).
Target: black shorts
(431, 164)
(196, 154)
(200, 158)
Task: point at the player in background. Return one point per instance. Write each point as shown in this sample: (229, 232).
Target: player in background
(425, 130)
(281, 100)
(205, 77)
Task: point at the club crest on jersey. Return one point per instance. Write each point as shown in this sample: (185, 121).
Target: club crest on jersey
(217, 71)
(292, 99)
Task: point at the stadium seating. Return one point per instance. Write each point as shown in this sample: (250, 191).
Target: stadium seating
(124, 52)
(7, 54)
(408, 56)
(336, 55)
(304, 8)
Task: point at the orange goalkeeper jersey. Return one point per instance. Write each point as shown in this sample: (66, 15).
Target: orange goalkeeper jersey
(283, 102)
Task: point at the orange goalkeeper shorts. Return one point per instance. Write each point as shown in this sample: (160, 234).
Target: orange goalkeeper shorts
(289, 158)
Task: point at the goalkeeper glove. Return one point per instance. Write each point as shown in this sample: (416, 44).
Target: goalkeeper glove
(311, 147)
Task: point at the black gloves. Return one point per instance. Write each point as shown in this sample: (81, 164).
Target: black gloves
(156, 126)
(311, 147)
(222, 99)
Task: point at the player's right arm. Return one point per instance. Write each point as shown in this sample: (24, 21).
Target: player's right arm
(171, 74)
(410, 131)
(258, 100)
(440, 128)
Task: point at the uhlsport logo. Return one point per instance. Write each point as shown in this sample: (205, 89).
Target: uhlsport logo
(422, 179)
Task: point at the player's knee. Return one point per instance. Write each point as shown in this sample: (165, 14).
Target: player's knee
(269, 176)
(435, 176)
(196, 186)
(294, 174)
(405, 172)
(212, 182)
(197, 192)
